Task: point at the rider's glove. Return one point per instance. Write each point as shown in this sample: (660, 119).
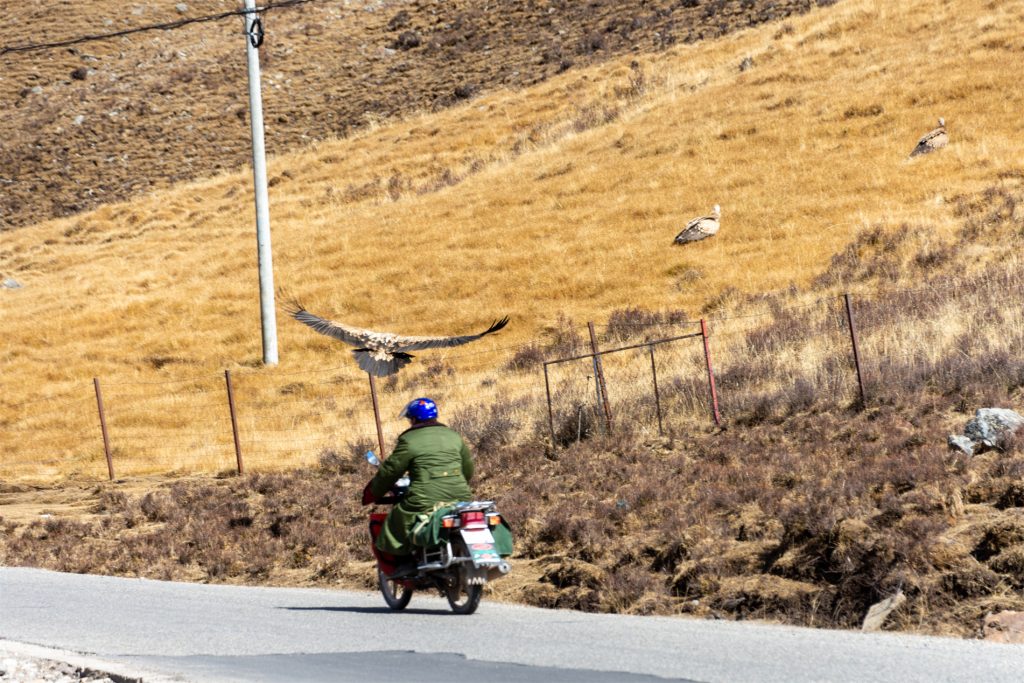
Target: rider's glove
(368, 497)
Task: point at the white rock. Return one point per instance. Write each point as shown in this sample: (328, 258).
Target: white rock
(989, 428)
(961, 443)
(880, 611)
(991, 424)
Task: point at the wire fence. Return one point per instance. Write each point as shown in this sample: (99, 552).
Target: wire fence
(659, 372)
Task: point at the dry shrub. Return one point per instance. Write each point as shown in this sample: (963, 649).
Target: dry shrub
(574, 421)
(246, 527)
(1010, 564)
(488, 428)
(626, 324)
(529, 357)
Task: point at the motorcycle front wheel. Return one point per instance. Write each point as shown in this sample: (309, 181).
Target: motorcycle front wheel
(463, 601)
(397, 594)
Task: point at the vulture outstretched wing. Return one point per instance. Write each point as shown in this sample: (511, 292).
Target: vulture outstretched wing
(350, 335)
(420, 343)
(382, 353)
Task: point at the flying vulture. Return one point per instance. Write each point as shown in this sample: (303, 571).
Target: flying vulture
(936, 139)
(699, 228)
(383, 353)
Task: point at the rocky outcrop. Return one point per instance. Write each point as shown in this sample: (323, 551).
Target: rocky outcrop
(1004, 627)
(989, 428)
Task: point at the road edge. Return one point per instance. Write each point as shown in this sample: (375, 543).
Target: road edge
(119, 672)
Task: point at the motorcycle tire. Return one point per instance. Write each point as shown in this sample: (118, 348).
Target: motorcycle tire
(397, 594)
(464, 601)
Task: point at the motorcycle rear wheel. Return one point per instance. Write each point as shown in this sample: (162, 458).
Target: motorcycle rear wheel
(397, 594)
(464, 601)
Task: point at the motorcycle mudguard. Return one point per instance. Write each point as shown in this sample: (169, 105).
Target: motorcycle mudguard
(385, 561)
(480, 543)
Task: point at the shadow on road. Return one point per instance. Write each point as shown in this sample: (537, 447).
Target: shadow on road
(368, 610)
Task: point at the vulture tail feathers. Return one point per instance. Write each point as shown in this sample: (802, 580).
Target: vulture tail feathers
(381, 367)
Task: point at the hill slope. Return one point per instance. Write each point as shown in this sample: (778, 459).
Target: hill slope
(560, 199)
(103, 121)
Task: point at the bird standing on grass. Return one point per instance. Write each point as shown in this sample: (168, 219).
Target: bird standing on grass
(936, 139)
(382, 353)
(699, 228)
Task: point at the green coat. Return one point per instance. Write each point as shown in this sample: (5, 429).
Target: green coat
(440, 468)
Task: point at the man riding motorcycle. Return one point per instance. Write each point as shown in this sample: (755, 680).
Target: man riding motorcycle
(439, 466)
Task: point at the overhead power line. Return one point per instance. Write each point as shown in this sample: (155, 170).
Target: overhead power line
(166, 26)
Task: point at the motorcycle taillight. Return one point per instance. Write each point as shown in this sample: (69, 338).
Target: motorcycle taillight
(474, 517)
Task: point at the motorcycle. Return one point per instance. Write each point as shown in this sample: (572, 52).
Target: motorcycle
(458, 567)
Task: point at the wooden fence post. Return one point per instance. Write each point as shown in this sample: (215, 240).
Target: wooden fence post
(376, 415)
(234, 422)
(657, 396)
(602, 388)
(551, 414)
(856, 350)
(103, 427)
(711, 374)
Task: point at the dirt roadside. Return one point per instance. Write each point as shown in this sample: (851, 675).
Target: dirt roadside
(775, 522)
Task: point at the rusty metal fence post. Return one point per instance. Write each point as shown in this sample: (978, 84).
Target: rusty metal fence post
(376, 414)
(602, 388)
(711, 375)
(551, 414)
(234, 422)
(103, 427)
(856, 350)
(657, 396)
(649, 345)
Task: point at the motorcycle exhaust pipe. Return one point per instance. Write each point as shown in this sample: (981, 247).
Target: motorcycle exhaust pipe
(499, 570)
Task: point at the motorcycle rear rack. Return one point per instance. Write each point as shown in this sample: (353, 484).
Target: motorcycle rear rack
(441, 558)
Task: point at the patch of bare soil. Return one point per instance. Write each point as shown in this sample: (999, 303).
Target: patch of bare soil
(103, 121)
(807, 520)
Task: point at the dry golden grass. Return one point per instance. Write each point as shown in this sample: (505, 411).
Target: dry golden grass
(563, 198)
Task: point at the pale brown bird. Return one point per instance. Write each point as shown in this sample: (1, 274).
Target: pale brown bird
(936, 139)
(383, 353)
(699, 228)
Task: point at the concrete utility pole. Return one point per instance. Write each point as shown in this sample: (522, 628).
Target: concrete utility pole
(268, 315)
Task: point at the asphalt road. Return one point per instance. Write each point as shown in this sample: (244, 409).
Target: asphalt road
(233, 633)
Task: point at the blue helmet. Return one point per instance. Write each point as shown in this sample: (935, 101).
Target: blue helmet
(420, 409)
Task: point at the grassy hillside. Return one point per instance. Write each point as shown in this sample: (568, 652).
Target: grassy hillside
(561, 199)
(97, 122)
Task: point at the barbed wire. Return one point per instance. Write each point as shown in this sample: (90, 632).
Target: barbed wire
(64, 401)
(114, 428)
(264, 372)
(163, 382)
(63, 439)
